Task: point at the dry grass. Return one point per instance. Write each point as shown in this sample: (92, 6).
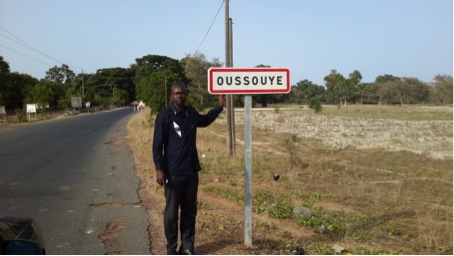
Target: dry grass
(378, 179)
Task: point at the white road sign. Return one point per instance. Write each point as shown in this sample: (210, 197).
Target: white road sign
(31, 108)
(248, 80)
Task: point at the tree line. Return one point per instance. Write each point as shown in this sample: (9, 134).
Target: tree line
(150, 77)
(386, 89)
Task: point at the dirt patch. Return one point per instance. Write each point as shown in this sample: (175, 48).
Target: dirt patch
(111, 237)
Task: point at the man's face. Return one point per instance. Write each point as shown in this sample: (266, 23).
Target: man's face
(179, 96)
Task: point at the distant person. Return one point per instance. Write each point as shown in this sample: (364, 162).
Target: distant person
(177, 166)
(141, 106)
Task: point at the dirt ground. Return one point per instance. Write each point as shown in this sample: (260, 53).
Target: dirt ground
(220, 222)
(418, 136)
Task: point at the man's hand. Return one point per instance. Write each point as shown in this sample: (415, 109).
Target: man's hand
(222, 100)
(160, 177)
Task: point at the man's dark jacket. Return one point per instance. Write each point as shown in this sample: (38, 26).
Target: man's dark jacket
(174, 140)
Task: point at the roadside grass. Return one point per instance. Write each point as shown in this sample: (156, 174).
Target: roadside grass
(367, 201)
(376, 200)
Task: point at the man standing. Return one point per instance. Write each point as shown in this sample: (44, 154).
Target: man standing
(177, 165)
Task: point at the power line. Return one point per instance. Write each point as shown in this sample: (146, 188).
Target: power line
(25, 55)
(29, 46)
(206, 34)
(17, 42)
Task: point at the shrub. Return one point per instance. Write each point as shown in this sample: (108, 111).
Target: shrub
(315, 105)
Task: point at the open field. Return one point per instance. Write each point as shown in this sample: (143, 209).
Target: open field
(371, 180)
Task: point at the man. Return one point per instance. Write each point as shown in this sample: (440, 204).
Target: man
(177, 166)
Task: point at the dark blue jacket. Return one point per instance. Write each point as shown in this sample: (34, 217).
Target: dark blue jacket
(174, 140)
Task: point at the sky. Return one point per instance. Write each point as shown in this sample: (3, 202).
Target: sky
(403, 38)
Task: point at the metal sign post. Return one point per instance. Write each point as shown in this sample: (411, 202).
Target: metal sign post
(248, 170)
(248, 81)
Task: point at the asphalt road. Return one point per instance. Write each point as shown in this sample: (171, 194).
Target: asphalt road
(75, 177)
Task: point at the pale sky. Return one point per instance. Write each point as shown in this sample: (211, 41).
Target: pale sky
(404, 38)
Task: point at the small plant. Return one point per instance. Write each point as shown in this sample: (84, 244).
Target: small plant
(392, 229)
(315, 105)
(227, 194)
(232, 182)
(284, 234)
(313, 198)
(360, 235)
(262, 224)
(320, 248)
(333, 224)
(274, 208)
(374, 251)
(280, 210)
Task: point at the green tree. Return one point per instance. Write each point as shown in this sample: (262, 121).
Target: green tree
(120, 97)
(154, 89)
(382, 91)
(342, 89)
(4, 66)
(149, 64)
(368, 93)
(304, 91)
(196, 71)
(388, 92)
(78, 86)
(442, 92)
(46, 93)
(354, 93)
(403, 91)
(416, 91)
(61, 75)
(385, 78)
(102, 85)
(13, 89)
(331, 81)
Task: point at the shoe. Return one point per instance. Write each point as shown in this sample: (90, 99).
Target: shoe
(186, 252)
(172, 252)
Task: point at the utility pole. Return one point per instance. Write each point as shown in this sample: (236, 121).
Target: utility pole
(232, 107)
(229, 98)
(231, 131)
(83, 93)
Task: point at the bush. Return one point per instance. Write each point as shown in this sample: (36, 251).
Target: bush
(21, 115)
(315, 105)
(273, 207)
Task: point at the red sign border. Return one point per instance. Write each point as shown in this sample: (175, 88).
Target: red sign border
(248, 91)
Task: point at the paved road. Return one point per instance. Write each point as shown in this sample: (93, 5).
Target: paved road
(75, 176)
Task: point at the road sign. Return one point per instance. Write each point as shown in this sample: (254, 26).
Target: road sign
(76, 102)
(248, 80)
(31, 108)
